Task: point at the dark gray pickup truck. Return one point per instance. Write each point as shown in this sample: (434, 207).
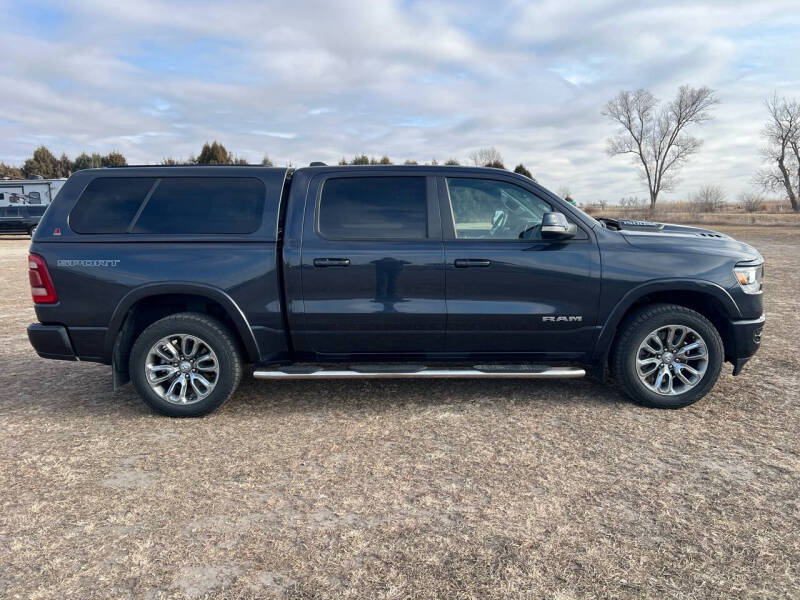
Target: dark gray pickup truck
(177, 276)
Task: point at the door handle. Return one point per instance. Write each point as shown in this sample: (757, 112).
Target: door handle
(464, 263)
(331, 262)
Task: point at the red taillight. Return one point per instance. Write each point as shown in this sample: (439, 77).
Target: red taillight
(42, 289)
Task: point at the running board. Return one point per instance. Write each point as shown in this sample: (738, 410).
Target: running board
(416, 372)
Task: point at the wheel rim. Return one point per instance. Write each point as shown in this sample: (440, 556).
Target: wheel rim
(182, 368)
(672, 360)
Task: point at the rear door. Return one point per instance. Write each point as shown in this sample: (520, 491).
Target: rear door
(372, 265)
(508, 290)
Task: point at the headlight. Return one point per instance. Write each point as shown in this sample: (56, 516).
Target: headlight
(750, 278)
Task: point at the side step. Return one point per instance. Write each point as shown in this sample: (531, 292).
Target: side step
(420, 371)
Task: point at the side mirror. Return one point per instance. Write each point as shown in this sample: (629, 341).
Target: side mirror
(556, 227)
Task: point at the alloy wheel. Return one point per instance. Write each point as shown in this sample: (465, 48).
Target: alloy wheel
(182, 368)
(671, 360)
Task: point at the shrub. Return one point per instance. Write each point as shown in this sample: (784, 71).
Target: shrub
(709, 198)
(520, 169)
(751, 202)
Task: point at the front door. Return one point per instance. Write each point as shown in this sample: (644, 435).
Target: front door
(11, 219)
(508, 290)
(373, 266)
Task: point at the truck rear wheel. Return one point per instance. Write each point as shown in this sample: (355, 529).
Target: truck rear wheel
(667, 356)
(185, 365)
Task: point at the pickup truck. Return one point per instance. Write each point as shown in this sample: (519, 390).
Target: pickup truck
(177, 277)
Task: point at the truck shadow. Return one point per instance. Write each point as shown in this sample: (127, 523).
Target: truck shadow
(378, 396)
(86, 390)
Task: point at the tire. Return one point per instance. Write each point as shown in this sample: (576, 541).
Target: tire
(32, 230)
(194, 350)
(637, 351)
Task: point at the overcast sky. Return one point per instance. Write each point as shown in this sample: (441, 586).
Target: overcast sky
(303, 81)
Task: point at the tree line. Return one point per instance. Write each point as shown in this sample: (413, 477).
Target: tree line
(656, 136)
(45, 164)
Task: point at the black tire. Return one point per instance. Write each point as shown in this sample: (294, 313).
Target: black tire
(215, 335)
(633, 332)
(32, 230)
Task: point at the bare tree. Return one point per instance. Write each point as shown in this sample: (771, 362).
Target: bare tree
(751, 202)
(782, 151)
(709, 198)
(485, 157)
(655, 135)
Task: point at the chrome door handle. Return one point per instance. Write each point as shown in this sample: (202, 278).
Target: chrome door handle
(331, 262)
(464, 263)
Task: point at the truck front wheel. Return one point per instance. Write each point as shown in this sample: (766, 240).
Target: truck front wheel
(185, 365)
(667, 356)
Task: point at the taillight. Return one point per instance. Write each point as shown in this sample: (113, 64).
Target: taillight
(42, 289)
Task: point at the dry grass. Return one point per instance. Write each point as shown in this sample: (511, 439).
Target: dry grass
(723, 218)
(402, 489)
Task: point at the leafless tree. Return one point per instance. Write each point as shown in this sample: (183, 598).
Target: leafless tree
(751, 202)
(632, 202)
(485, 157)
(709, 198)
(782, 151)
(655, 136)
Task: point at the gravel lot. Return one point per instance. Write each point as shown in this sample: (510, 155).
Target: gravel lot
(459, 489)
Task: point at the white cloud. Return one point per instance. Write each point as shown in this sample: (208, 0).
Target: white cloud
(319, 80)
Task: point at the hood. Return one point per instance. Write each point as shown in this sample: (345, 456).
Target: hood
(683, 238)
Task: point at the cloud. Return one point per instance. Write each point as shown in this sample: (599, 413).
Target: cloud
(318, 80)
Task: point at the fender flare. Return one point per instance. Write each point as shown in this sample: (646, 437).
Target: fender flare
(609, 329)
(214, 294)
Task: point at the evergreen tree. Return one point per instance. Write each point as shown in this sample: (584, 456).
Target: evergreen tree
(42, 163)
(214, 154)
(520, 168)
(495, 164)
(7, 171)
(65, 166)
(113, 159)
(86, 161)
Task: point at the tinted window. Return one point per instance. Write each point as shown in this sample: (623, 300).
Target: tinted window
(11, 211)
(108, 204)
(374, 208)
(36, 211)
(487, 209)
(182, 205)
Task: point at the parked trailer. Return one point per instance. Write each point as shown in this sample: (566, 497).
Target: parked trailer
(14, 192)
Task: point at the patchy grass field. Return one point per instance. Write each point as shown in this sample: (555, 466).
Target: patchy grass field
(459, 489)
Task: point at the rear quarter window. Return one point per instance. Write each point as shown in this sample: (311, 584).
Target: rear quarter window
(170, 205)
(185, 205)
(108, 204)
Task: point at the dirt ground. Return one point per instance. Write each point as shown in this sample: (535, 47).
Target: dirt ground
(458, 489)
